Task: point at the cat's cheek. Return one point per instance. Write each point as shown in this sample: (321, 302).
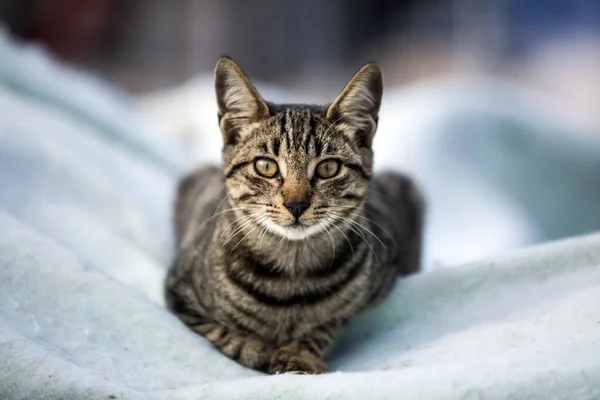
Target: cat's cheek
(331, 190)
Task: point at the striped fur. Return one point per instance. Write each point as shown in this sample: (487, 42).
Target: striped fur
(270, 290)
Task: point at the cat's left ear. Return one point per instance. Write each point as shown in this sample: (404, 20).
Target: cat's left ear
(356, 109)
(238, 101)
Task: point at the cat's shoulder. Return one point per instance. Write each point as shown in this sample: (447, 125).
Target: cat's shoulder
(205, 176)
(397, 186)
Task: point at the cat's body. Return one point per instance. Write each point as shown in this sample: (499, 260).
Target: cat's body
(280, 248)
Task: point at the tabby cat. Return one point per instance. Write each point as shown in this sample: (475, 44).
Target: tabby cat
(294, 235)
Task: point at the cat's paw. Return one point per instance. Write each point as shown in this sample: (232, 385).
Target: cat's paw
(295, 360)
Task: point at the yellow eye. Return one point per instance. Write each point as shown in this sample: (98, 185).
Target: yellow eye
(266, 167)
(328, 169)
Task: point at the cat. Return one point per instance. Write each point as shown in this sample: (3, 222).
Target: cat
(293, 236)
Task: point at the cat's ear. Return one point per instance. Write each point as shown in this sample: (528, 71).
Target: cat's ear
(238, 101)
(356, 109)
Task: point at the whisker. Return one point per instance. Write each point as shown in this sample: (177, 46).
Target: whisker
(362, 227)
(242, 218)
(360, 215)
(245, 236)
(358, 232)
(348, 240)
(264, 233)
(240, 228)
(190, 237)
(222, 200)
(324, 226)
(379, 226)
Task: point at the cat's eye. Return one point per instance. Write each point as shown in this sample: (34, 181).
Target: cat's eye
(328, 169)
(266, 167)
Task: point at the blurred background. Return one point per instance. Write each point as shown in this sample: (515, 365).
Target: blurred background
(553, 45)
(493, 105)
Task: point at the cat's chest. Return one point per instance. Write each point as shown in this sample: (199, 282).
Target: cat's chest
(297, 322)
(282, 308)
(280, 325)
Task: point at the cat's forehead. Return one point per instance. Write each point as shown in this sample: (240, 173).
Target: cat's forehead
(300, 127)
(298, 119)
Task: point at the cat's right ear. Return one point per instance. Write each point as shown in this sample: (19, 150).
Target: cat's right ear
(240, 105)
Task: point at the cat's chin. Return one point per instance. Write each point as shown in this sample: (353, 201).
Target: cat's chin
(296, 231)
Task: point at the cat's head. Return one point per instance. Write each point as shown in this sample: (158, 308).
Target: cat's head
(297, 170)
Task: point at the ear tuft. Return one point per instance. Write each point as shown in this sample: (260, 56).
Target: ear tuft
(357, 106)
(238, 101)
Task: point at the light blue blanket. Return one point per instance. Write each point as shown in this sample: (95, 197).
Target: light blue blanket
(85, 237)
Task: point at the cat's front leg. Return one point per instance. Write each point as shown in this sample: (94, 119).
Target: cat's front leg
(245, 349)
(305, 356)
(295, 358)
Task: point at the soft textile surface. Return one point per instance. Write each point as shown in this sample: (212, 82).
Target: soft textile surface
(85, 195)
(520, 327)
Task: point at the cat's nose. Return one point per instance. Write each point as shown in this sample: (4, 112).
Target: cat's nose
(296, 206)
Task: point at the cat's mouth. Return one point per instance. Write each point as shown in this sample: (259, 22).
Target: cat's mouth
(294, 230)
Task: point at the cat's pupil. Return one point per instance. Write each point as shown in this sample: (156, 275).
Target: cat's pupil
(268, 167)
